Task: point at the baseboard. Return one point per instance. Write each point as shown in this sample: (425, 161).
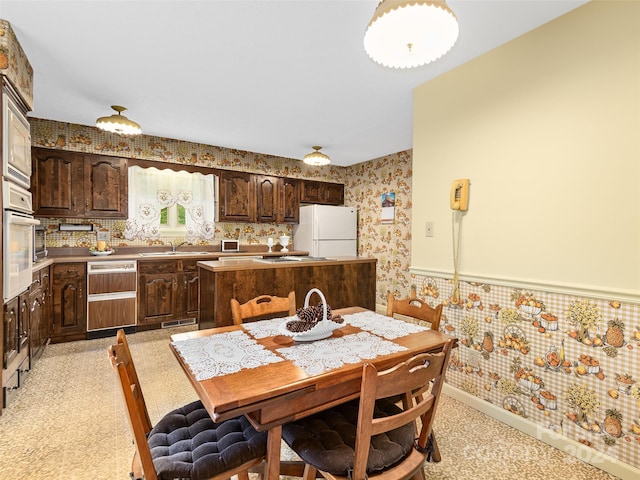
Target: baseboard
(570, 447)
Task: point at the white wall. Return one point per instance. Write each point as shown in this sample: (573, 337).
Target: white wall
(546, 128)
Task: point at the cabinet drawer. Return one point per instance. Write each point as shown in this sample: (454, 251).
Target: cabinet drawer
(157, 267)
(112, 283)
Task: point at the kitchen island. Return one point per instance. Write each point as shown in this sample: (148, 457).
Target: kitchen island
(345, 282)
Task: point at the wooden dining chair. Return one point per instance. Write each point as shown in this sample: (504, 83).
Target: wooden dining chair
(374, 438)
(262, 307)
(413, 307)
(186, 443)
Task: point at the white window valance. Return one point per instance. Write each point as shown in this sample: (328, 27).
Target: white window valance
(151, 190)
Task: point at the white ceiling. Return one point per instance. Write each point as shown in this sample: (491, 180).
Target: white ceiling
(266, 76)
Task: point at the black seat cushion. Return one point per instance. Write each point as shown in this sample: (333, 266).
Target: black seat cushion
(187, 443)
(327, 440)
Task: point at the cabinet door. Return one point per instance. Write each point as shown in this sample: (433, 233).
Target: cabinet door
(290, 201)
(10, 330)
(37, 332)
(267, 189)
(237, 197)
(57, 183)
(333, 193)
(23, 322)
(69, 301)
(106, 187)
(157, 297)
(191, 284)
(47, 296)
(190, 291)
(310, 192)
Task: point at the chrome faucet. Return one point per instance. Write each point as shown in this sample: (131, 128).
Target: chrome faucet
(175, 247)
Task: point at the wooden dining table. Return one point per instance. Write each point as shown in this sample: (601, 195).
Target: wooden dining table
(282, 383)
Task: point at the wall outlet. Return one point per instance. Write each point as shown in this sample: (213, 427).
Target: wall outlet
(428, 229)
(473, 359)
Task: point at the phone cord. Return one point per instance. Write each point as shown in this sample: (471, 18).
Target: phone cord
(456, 255)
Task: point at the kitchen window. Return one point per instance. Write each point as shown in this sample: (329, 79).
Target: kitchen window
(170, 203)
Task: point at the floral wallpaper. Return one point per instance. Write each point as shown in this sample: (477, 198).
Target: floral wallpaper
(566, 363)
(389, 243)
(14, 63)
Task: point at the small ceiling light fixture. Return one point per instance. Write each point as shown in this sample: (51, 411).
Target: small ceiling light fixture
(410, 33)
(316, 158)
(118, 123)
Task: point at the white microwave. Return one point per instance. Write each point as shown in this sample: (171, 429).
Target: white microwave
(16, 154)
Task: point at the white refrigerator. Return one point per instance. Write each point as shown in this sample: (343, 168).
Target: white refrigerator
(327, 231)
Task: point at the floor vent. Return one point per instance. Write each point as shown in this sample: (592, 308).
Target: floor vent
(179, 323)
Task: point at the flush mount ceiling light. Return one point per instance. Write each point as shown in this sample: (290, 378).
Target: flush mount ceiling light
(410, 33)
(316, 158)
(118, 123)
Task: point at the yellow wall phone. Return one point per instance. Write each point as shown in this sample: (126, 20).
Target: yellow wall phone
(460, 194)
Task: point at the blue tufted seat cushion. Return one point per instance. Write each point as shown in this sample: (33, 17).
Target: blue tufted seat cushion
(187, 443)
(327, 440)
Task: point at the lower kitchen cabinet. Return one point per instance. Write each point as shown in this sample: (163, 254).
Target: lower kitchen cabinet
(69, 302)
(15, 345)
(39, 313)
(167, 291)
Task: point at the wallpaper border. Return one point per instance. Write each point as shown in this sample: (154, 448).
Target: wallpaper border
(630, 296)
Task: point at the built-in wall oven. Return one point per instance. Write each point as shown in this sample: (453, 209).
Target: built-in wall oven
(17, 232)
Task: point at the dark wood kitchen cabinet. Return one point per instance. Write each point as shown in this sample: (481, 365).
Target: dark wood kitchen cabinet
(167, 291)
(15, 345)
(324, 193)
(39, 313)
(277, 199)
(237, 197)
(69, 302)
(245, 197)
(69, 184)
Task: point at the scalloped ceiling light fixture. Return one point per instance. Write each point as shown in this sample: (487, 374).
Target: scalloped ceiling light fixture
(118, 123)
(410, 33)
(316, 158)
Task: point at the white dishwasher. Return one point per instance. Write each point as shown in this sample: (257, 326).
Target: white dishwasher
(111, 299)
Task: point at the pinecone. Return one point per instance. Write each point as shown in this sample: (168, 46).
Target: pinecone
(298, 326)
(310, 316)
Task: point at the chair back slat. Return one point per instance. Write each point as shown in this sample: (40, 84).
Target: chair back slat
(121, 339)
(405, 378)
(415, 308)
(261, 307)
(136, 409)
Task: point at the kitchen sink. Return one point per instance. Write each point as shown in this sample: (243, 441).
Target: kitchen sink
(167, 254)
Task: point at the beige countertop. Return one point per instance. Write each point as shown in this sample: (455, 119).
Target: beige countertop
(83, 255)
(223, 265)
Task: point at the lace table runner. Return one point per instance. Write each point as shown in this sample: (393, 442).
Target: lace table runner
(324, 355)
(222, 354)
(382, 325)
(265, 328)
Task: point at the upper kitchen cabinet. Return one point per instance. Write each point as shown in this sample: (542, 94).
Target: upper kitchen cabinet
(245, 197)
(278, 200)
(237, 197)
(324, 193)
(290, 200)
(69, 184)
(105, 186)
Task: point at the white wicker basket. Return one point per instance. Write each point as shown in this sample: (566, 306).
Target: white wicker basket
(322, 329)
